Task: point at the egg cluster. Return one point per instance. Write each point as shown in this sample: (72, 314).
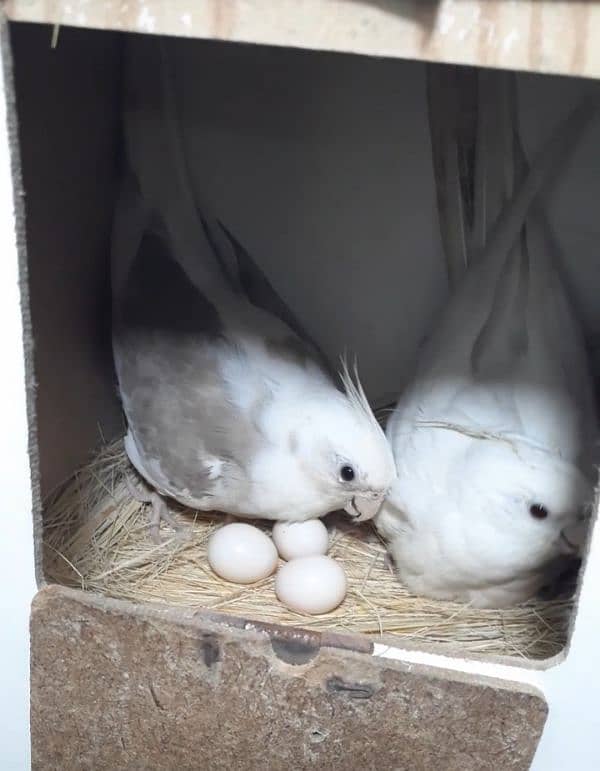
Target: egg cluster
(308, 582)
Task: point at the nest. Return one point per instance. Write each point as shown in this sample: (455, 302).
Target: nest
(96, 538)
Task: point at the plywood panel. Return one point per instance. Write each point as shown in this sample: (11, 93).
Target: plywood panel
(116, 686)
(561, 36)
(68, 135)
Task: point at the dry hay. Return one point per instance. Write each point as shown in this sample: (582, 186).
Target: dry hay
(96, 538)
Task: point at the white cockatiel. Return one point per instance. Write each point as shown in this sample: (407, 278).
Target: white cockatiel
(493, 436)
(229, 405)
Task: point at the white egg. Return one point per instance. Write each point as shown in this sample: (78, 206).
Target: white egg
(241, 553)
(311, 584)
(300, 539)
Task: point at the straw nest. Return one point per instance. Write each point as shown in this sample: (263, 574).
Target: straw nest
(96, 538)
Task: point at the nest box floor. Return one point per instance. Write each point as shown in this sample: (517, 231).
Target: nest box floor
(96, 538)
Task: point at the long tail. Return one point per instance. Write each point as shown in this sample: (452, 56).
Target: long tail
(544, 167)
(156, 160)
(486, 191)
(450, 146)
(160, 186)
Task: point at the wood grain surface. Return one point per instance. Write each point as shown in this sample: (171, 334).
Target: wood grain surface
(537, 35)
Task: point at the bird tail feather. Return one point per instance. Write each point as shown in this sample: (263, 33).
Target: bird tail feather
(157, 190)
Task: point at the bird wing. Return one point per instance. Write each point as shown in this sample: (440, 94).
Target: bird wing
(483, 336)
(212, 258)
(530, 348)
(190, 307)
(446, 128)
(191, 440)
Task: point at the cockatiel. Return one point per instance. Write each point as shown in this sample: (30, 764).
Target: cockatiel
(229, 406)
(493, 437)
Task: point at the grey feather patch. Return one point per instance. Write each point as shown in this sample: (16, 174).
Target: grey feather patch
(493, 162)
(159, 297)
(503, 339)
(291, 349)
(211, 257)
(167, 340)
(260, 292)
(448, 121)
(543, 169)
(180, 414)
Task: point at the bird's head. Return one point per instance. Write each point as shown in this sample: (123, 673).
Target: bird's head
(489, 513)
(344, 451)
(532, 492)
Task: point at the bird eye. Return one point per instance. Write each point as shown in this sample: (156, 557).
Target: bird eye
(538, 511)
(347, 473)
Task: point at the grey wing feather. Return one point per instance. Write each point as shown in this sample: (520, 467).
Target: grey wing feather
(493, 154)
(167, 338)
(183, 288)
(443, 91)
(503, 340)
(155, 159)
(449, 350)
(211, 257)
(566, 331)
(546, 165)
(260, 293)
(558, 356)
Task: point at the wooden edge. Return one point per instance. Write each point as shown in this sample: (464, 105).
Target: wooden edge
(550, 36)
(120, 686)
(351, 641)
(291, 645)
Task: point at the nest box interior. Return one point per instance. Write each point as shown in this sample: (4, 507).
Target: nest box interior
(321, 164)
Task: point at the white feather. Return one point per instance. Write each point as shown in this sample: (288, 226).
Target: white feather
(492, 423)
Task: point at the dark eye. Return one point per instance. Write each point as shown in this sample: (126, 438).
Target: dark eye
(347, 473)
(538, 511)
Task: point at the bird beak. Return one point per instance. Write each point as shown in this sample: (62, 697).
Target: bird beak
(573, 537)
(362, 508)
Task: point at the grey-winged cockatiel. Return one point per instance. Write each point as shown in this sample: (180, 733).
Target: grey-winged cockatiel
(230, 407)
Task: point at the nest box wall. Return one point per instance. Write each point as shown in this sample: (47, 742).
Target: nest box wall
(67, 104)
(321, 165)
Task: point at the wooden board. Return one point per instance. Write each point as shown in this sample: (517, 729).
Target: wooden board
(117, 686)
(69, 179)
(554, 36)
